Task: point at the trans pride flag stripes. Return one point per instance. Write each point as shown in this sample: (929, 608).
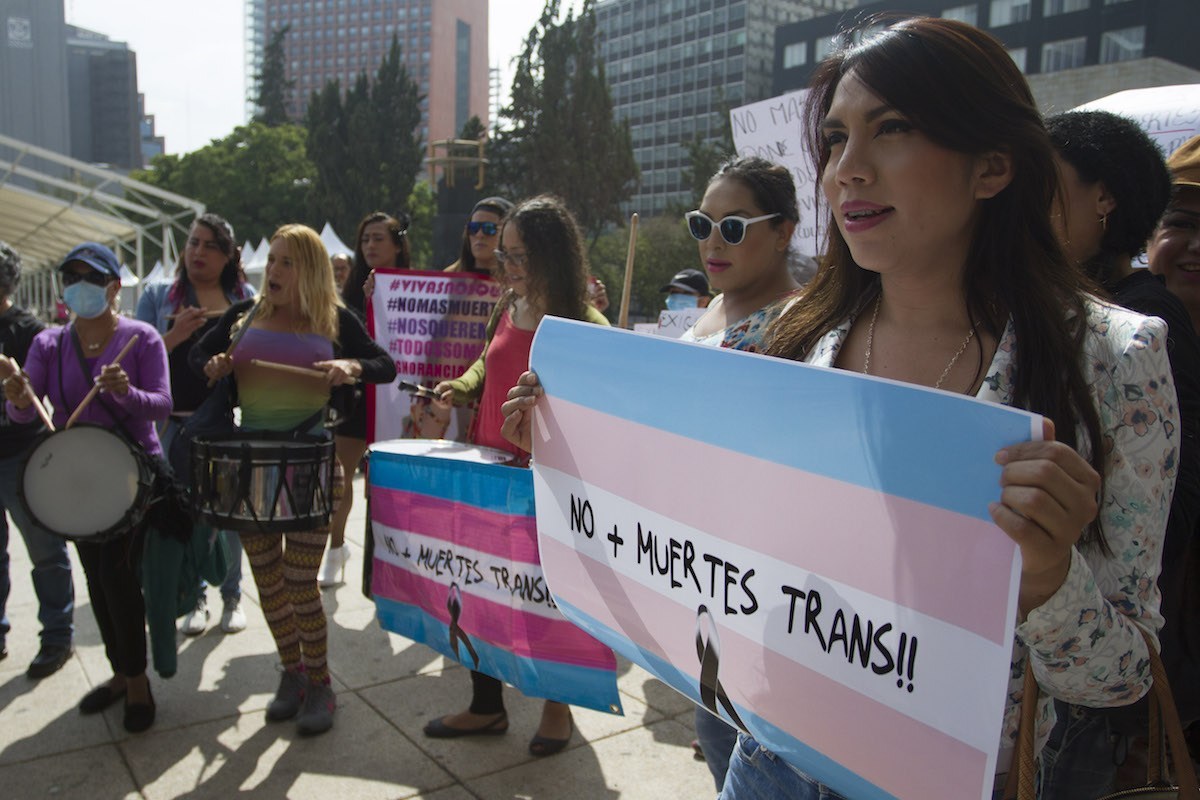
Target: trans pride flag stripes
(803, 550)
(456, 568)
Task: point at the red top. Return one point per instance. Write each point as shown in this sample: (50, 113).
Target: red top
(507, 357)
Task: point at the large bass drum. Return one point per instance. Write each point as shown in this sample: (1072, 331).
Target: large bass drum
(86, 483)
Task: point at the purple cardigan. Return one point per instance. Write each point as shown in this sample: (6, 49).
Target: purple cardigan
(147, 402)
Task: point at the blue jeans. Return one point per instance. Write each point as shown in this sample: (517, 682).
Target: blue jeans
(717, 739)
(51, 564)
(755, 773)
(231, 587)
(1079, 760)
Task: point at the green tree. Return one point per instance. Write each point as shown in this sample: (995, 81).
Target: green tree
(274, 89)
(664, 247)
(421, 208)
(257, 177)
(560, 135)
(367, 145)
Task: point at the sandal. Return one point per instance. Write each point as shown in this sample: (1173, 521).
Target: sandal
(438, 729)
(542, 746)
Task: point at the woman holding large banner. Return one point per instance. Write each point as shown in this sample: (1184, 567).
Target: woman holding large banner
(942, 270)
(545, 268)
(291, 349)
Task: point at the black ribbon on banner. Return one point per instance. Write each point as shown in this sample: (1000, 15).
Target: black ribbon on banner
(708, 650)
(457, 634)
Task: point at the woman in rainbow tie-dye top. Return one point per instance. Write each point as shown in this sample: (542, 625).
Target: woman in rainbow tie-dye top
(303, 323)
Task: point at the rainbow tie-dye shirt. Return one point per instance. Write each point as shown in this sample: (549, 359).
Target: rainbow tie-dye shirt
(273, 400)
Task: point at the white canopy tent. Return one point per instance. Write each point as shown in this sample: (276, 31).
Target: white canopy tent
(334, 244)
(50, 202)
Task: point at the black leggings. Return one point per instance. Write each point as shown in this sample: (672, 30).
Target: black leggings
(487, 694)
(113, 571)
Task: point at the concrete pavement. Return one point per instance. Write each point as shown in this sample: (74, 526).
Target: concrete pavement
(211, 739)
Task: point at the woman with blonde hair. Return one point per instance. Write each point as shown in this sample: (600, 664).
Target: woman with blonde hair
(301, 322)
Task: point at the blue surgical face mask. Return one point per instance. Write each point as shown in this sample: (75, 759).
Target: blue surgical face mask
(677, 301)
(86, 299)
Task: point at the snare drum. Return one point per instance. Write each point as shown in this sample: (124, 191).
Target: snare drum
(85, 483)
(263, 482)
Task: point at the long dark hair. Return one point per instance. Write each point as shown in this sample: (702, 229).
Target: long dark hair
(352, 294)
(961, 89)
(557, 272)
(231, 273)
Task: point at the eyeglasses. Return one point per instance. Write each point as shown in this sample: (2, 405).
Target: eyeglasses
(488, 228)
(733, 229)
(516, 259)
(93, 277)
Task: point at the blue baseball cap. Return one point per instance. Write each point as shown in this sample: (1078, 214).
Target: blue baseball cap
(96, 256)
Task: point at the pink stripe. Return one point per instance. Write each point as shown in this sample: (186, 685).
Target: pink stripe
(885, 747)
(817, 523)
(526, 635)
(508, 536)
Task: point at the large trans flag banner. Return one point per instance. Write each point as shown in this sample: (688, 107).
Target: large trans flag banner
(805, 552)
(456, 568)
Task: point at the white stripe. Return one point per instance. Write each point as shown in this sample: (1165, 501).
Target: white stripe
(961, 678)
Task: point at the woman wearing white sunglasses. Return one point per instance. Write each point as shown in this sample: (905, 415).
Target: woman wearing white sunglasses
(744, 227)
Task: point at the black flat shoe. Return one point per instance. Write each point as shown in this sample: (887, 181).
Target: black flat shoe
(542, 746)
(139, 716)
(99, 699)
(49, 660)
(438, 729)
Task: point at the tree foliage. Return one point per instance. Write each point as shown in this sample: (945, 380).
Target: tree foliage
(664, 248)
(421, 208)
(257, 177)
(366, 146)
(274, 89)
(559, 134)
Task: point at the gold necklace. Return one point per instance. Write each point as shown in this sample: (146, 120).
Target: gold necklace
(871, 340)
(103, 341)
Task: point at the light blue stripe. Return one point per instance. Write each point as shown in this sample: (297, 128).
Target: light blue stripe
(492, 487)
(587, 687)
(792, 750)
(930, 447)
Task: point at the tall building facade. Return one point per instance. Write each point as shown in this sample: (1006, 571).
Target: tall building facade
(1072, 51)
(67, 89)
(443, 43)
(676, 67)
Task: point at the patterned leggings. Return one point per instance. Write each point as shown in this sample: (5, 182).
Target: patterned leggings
(285, 569)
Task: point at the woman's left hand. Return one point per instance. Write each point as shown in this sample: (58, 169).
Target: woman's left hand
(113, 379)
(340, 371)
(518, 411)
(1049, 494)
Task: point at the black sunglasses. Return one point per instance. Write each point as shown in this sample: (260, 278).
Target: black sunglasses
(93, 277)
(733, 229)
(488, 228)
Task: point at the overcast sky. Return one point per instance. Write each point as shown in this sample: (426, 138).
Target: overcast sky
(191, 57)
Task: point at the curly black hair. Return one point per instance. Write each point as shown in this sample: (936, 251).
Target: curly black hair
(1105, 147)
(10, 269)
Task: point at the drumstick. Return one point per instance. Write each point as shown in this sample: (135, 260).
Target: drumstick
(312, 373)
(38, 407)
(96, 387)
(623, 317)
(237, 337)
(207, 315)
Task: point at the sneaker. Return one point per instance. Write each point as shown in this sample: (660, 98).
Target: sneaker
(317, 716)
(289, 697)
(197, 619)
(233, 619)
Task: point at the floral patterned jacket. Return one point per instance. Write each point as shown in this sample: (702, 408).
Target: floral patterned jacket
(1083, 644)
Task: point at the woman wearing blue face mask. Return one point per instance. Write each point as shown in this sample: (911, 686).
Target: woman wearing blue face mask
(744, 229)
(135, 393)
(688, 289)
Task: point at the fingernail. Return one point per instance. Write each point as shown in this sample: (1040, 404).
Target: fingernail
(1002, 457)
